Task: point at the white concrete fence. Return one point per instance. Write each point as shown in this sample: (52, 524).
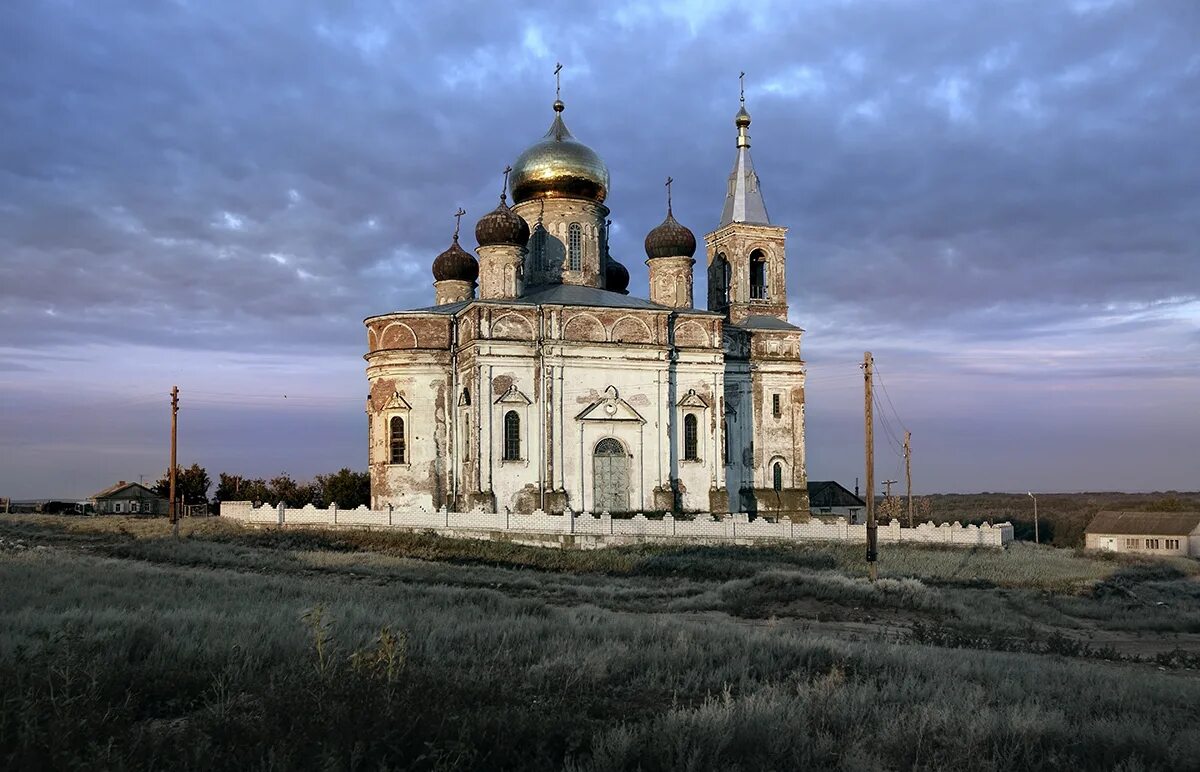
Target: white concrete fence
(587, 530)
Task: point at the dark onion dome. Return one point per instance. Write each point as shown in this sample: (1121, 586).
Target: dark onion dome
(559, 166)
(456, 264)
(502, 226)
(616, 277)
(670, 239)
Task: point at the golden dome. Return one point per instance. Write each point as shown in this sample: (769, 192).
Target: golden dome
(559, 166)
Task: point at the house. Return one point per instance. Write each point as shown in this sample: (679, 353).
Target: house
(1148, 533)
(827, 497)
(129, 498)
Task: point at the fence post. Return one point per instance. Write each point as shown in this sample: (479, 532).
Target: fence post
(333, 506)
(282, 509)
(389, 514)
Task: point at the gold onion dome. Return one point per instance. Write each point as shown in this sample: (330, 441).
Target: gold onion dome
(456, 264)
(742, 119)
(670, 239)
(502, 226)
(559, 166)
(616, 277)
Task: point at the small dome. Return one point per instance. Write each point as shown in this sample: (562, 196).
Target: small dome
(670, 239)
(502, 226)
(616, 277)
(559, 166)
(742, 119)
(455, 263)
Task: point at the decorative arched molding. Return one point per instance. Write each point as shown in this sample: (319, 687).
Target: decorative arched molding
(584, 327)
(397, 335)
(512, 326)
(690, 333)
(631, 329)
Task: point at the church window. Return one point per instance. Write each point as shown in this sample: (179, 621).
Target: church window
(758, 275)
(691, 441)
(539, 248)
(777, 473)
(397, 440)
(776, 409)
(725, 442)
(575, 247)
(512, 436)
(466, 436)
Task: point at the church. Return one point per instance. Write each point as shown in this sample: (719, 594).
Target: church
(537, 381)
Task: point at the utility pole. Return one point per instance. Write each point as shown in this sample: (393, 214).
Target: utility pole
(869, 426)
(1036, 540)
(174, 439)
(908, 474)
(889, 484)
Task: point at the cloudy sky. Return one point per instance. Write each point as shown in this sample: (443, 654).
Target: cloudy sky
(1001, 200)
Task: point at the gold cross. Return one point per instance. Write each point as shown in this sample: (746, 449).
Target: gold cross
(742, 87)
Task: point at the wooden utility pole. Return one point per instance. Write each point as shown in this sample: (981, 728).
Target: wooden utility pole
(869, 425)
(908, 474)
(171, 508)
(888, 484)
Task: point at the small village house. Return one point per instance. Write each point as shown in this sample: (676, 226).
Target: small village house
(830, 498)
(129, 498)
(1148, 533)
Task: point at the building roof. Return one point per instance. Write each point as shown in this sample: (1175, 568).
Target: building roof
(566, 295)
(140, 491)
(1165, 523)
(766, 323)
(830, 493)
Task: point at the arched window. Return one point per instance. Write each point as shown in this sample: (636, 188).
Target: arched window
(690, 438)
(575, 247)
(758, 275)
(777, 472)
(718, 283)
(539, 248)
(397, 440)
(512, 436)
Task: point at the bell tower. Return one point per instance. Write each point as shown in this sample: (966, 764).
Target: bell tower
(747, 258)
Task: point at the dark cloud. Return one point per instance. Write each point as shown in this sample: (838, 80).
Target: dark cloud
(1014, 181)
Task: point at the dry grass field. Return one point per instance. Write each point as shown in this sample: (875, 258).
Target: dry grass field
(235, 648)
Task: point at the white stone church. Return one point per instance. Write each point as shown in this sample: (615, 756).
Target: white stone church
(537, 381)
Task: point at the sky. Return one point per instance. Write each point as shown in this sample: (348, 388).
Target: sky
(999, 200)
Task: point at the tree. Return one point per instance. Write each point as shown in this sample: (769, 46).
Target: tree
(237, 488)
(191, 484)
(284, 488)
(346, 488)
(889, 509)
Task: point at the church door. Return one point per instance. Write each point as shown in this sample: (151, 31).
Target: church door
(610, 477)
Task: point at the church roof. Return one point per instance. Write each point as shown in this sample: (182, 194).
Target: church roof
(565, 295)
(766, 323)
(744, 201)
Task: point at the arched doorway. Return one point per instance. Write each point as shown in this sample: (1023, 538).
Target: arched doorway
(610, 477)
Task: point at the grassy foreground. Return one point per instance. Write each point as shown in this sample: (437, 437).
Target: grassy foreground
(234, 648)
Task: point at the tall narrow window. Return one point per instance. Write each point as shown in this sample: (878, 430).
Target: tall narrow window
(575, 247)
(539, 248)
(777, 472)
(466, 436)
(758, 275)
(775, 407)
(690, 438)
(512, 436)
(725, 441)
(397, 440)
